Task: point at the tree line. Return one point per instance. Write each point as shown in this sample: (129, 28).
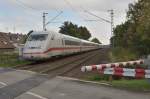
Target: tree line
(134, 33)
(68, 28)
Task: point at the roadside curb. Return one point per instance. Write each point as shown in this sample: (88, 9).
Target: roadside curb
(103, 84)
(84, 81)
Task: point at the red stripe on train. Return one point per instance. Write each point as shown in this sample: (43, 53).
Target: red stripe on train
(55, 49)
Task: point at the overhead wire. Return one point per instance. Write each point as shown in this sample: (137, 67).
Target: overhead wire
(34, 12)
(26, 5)
(54, 17)
(74, 9)
(56, 9)
(98, 20)
(93, 26)
(97, 16)
(68, 3)
(27, 9)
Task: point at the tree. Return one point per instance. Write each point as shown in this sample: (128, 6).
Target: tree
(135, 32)
(71, 29)
(95, 40)
(121, 35)
(84, 33)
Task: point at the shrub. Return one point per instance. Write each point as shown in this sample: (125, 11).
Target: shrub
(122, 54)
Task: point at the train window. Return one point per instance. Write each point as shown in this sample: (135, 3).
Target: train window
(37, 37)
(67, 42)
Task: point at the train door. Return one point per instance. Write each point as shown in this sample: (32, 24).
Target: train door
(80, 46)
(63, 45)
(57, 44)
(50, 45)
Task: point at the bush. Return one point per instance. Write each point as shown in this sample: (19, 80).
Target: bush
(122, 54)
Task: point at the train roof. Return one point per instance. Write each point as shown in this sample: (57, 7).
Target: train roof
(71, 37)
(41, 32)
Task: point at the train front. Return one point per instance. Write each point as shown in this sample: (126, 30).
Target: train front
(35, 46)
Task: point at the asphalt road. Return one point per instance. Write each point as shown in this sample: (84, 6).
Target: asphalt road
(18, 84)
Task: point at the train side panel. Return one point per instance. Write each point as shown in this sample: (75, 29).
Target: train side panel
(54, 44)
(71, 44)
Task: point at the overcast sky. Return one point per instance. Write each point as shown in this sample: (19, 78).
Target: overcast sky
(24, 15)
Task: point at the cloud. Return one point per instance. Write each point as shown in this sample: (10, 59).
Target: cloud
(27, 14)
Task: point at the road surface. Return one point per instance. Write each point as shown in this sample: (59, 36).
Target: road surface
(20, 84)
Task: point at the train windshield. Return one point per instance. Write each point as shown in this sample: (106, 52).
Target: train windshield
(37, 37)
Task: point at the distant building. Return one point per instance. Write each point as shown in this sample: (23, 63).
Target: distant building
(9, 41)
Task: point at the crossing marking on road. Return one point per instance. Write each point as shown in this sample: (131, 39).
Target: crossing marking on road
(2, 83)
(36, 95)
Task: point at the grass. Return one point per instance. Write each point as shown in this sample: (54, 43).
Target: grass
(13, 64)
(138, 85)
(132, 84)
(11, 60)
(121, 55)
(97, 77)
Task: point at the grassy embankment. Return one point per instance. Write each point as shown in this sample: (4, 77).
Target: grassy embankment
(11, 60)
(119, 55)
(129, 84)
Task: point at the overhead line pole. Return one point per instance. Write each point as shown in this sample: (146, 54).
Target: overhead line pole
(54, 18)
(112, 25)
(44, 21)
(111, 22)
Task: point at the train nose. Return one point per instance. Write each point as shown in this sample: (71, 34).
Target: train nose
(35, 55)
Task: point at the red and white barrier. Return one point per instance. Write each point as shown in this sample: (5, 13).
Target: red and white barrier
(137, 73)
(111, 65)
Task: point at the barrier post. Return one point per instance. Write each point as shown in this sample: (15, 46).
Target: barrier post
(147, 62)
(110, 78)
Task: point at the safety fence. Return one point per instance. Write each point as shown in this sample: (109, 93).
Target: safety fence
(126, 72)
(119, 69)
(111, 65)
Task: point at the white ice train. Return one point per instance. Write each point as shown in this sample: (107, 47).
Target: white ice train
(46, 44)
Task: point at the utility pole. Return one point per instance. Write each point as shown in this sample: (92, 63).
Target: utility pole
(108, 21)
(44, 21)
(112, 21)
(112, 24)
(54, 18)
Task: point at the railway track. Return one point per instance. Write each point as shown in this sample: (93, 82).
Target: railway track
(101, 58)
(38, 63)
(61, 66)
(65, 68)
